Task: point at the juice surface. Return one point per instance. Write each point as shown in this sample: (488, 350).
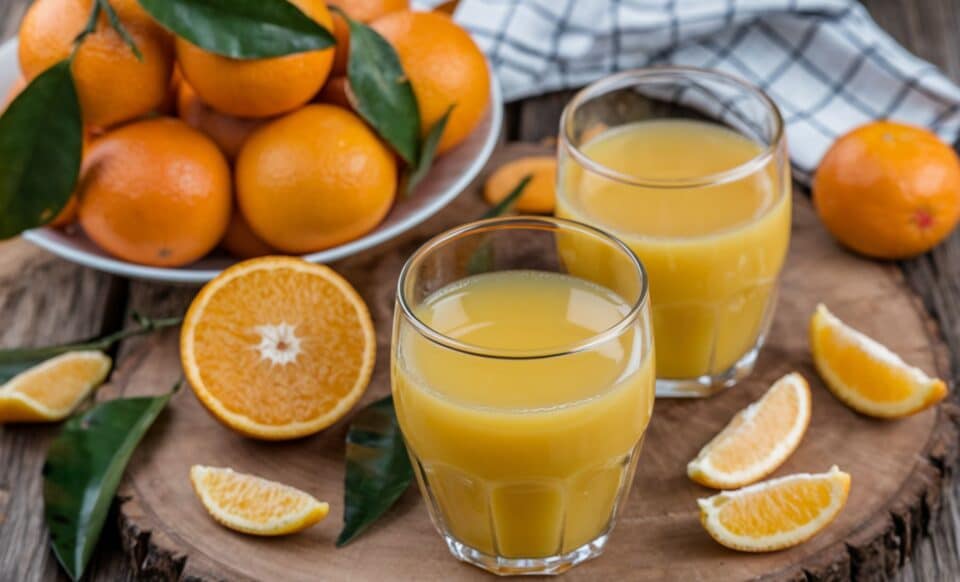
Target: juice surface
(523, 458)
(712, 252)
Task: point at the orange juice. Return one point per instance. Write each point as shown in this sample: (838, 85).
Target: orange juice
(713, 247)
(523, 456)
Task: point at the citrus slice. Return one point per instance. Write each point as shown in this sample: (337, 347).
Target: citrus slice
(758, 439)
(253, 505)
(51, 391)
(278, 348)
(866, 375)
(775, 514)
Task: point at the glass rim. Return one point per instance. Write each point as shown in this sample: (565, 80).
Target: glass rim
(521, 223)
(625, 79)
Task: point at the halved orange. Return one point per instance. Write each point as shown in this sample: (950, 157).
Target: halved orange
(866, 375)
(253, 505)
(758, 439)
(278, 348)
(51, 391)
(775, 514)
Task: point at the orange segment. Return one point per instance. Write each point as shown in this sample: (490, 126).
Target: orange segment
(278, 348)
(758, 439)
(253, 505)
(865, 374)
(775, 514)
(52, 390)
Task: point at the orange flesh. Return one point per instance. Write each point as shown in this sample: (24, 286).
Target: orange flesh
(777, 510)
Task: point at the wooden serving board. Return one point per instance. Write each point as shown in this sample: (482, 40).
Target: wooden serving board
(894, 464)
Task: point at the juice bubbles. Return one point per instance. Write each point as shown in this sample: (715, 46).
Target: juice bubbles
(527, 451)
(713, 246)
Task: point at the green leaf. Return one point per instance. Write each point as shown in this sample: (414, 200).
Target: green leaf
(241, 29)
(14, 361)
(118, 26)
(428, 151)
(41, 141)
(384, 95)
(481, 260)
(378, 468)
(83, 468)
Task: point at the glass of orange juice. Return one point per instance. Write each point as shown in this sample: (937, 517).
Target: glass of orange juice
(523, 389)
(689, 167)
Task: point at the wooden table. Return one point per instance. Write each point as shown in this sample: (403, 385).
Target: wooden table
(44, 299)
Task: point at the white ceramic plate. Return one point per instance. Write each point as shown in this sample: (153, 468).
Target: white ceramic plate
(447, 179)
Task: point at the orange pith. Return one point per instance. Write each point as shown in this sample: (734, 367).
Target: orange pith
(277, 347)
(866, 375)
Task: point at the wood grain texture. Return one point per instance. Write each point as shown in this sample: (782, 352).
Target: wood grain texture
(659, 535)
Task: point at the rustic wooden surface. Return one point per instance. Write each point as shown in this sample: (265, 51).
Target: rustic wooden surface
(44, 299)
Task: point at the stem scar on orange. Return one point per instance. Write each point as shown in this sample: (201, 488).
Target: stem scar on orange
(889, 190)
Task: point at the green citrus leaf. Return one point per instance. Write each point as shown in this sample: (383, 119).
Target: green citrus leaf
(41, 142)
(83, 468)
(17, 360)
(120, 28)
(378, 468)
(241, 29)
(384, 96)
(428, 151)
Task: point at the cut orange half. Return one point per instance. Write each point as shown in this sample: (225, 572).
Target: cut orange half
(776, 514)
(758, 439)
(866, 375)
(278, 348)
(51, 391)
(253, 505)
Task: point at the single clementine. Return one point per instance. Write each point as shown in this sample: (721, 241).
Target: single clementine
(889, 190)
(364, 11)
(155, 192)
(259, 87)
(278, 348)
(314, 179)
(225, 130)
(114, 86)
(445, 67)
(540, 195)
(241, 242)
(336, 92)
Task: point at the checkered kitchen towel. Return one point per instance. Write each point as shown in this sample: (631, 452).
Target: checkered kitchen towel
(826, 63)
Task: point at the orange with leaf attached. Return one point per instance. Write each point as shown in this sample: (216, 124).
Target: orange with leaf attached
(112, 83)
(364, 11)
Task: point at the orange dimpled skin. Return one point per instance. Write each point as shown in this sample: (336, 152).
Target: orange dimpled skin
(155, 192)
(113, 84)
(259, 87)
(314, 179)
(445, 67)
(889, 190)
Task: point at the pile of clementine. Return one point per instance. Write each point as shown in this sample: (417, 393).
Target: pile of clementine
(189, 150)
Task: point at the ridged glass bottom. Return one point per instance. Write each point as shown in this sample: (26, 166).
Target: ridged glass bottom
(709, 385)
(526, 566)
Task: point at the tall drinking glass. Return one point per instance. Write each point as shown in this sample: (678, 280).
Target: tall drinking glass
(523, 386)
(689, 167)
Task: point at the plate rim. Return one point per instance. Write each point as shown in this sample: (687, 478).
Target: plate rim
(42, 238)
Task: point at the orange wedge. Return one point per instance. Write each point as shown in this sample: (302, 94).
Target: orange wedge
(866, 375)
(51, 391)
(758, 439)
(253, 505)
(278, 348)
(775, 514)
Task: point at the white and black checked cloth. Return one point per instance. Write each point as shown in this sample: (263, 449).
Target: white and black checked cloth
(827, 65)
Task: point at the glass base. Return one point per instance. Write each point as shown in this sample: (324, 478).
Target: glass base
(709, 385)
(526, 566)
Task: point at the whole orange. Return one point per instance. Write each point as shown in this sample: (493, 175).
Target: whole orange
(259, 87)
(155, 192)
(888, 190)
(364, 11)
(227, 131)
(113, 85)
(241, 242)
(445, 67)
(314, 179)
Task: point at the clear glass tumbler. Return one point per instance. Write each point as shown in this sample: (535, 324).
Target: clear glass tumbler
(523, 379)
(689, 167)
